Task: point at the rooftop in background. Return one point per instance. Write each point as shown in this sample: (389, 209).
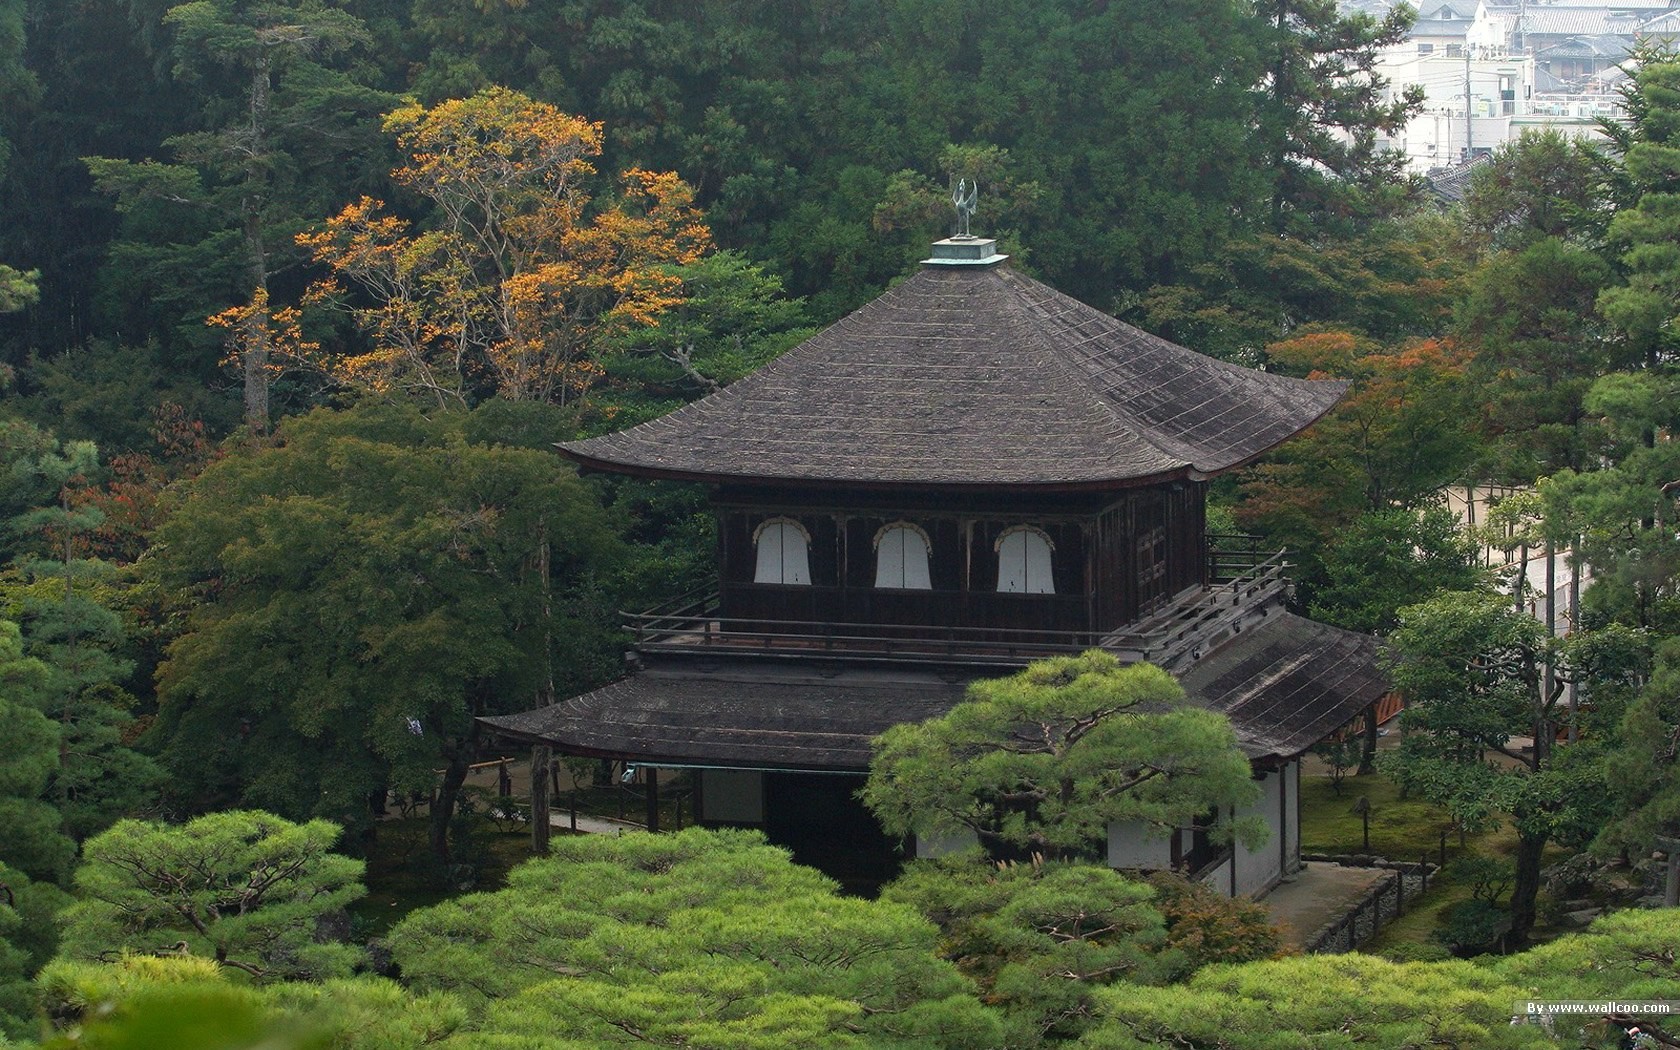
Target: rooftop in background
(969, 375)
(1451, 184)
(1581, 21)
(1595, 46)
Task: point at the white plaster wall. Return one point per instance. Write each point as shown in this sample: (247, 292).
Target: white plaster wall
(1132, 846)
(945, 845)
(1488, 30)
(1219, 878)
(732, 795)
(1258, 868)
(1292, 819)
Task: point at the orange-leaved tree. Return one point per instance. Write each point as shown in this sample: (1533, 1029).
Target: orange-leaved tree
(522, 273)
(1405, 428)
(1406, 422)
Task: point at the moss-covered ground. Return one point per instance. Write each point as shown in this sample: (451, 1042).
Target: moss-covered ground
(1401, 830)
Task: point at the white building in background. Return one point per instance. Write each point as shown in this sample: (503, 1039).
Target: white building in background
(1471, 503)
(1447, 132)
(1492, 69)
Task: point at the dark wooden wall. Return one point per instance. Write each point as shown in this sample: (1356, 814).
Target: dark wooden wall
(1113, 560)
(1148, 546)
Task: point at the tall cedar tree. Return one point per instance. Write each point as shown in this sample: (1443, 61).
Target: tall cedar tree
(59, 597)
(1645, 305)
(1324, 107)
(18, 86)
(1621, 518)
(284, 117)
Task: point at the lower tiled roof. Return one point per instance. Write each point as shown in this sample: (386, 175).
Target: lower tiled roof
(1289, 683)
(1286, 684)
(739, 713)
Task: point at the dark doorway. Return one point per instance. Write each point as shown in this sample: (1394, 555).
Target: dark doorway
(817, 817)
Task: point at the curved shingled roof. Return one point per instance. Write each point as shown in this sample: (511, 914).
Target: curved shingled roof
(973, 376)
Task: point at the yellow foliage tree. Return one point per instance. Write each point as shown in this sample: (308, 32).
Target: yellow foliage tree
(260, 339)
(524, 273)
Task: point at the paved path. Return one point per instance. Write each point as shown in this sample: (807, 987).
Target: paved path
(1319, 894)
(588, 825)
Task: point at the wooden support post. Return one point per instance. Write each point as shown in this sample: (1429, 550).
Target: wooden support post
(1233, 856)
(652, 775)
(1283, 820)
(540, 757)
(1574, 625)
(1368, 743)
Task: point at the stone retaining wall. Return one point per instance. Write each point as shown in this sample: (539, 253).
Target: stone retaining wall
(1382, 904)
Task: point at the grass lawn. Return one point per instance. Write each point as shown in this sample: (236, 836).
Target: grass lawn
(1421, 918)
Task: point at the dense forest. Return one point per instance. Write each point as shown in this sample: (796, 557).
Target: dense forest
(296, 294)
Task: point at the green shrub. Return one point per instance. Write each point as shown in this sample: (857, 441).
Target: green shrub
(1472, 927)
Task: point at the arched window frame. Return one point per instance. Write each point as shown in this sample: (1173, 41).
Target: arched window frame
(1031, 584)
(800, 563)
(908, 579)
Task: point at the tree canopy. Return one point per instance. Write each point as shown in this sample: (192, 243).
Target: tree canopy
(691, 938)
(518, 289)
(354, 595)
(1045, 760)
(243, 888)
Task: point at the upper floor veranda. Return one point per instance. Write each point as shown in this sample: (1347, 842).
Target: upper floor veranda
(808, 617)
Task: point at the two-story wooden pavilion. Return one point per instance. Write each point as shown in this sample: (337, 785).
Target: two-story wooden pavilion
(968, 473)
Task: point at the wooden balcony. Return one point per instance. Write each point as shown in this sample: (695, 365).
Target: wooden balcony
(1247, 583)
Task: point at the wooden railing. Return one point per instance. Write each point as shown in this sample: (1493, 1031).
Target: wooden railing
(666, 632)
(1232, 555)
(1177, 635)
